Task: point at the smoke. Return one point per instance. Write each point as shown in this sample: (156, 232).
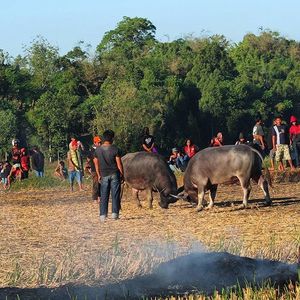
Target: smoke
(206, 273)
(176, 270)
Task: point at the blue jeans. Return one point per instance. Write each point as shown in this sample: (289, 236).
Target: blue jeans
(73, 175)
(110, 184)
(296, 153)
(39, 173)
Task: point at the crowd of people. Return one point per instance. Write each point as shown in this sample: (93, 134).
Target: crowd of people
(104, 165)
(19, 162)
(281, 144)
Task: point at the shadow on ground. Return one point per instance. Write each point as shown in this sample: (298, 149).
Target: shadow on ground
(196, 272)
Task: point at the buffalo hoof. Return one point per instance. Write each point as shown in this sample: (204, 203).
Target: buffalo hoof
(199, 208)
(164, 206)
(268, 203)
(150, 206)
(242, 206)
(209, 207)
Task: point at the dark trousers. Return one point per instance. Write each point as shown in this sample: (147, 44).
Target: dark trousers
(24, 175)
(110, 185)
(96, 186)
(296, 150)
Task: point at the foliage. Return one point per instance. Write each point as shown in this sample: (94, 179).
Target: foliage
(8, 128)
(190, 87)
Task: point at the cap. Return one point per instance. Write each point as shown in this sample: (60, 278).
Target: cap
(293, 119)
(97, 139)
(15, 141)
(74, 143)
(174, 150)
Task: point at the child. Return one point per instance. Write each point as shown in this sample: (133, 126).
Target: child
(5, 172)
(88, 167)
(61, 171)
(15, 173)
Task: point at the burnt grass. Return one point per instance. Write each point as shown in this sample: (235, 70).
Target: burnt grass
(192, 273)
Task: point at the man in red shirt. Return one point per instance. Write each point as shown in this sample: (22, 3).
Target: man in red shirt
(25, 163)
(294, 132)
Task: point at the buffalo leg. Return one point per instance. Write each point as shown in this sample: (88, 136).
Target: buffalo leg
(246, 190)
(212, 195)
(265, 188)
(136, 193)
(201, 193)
(263, 183)
(150, 199)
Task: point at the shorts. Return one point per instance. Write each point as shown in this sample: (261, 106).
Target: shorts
(4, 181)
(272, 154)
(282, 153)
(75, 174)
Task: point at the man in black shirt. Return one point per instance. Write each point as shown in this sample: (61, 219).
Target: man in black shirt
(280, 141)
(37, 162)
(148, 141)
(109, 169)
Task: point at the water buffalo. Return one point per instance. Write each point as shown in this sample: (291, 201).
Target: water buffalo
(149, 171)
(213, 166)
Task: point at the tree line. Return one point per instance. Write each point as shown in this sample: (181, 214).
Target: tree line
(190, 87)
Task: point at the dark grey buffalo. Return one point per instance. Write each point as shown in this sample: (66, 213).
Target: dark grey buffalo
(150, 172)
(213, 166)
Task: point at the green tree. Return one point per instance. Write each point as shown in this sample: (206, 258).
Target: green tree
(8, 129)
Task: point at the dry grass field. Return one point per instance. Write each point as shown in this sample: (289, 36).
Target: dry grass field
(51, 237)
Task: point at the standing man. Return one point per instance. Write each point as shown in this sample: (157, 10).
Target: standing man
(280, 141)
(37, 162)
(75, 165)
(295, 138)
(96, 185)
(272, 152)
(258, 134)
(109, 169)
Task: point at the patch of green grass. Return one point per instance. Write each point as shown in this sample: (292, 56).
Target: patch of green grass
(48, 181)
(34, 182)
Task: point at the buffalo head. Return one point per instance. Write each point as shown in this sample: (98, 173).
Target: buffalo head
(166, 199)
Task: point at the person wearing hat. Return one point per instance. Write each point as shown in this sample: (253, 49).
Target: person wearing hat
(241, 139)
(175, 161)
(91, 159)
(15, 154)
(294, 132)
(75, 168)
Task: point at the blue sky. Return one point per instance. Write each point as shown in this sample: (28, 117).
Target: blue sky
(66, 22)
